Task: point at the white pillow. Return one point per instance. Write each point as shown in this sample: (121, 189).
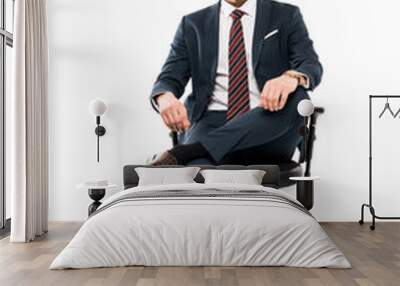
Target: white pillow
(244, 177)
(166, 176)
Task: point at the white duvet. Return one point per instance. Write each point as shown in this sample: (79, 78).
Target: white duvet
(200, 231)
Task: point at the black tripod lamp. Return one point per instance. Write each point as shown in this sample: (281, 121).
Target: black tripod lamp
(97, 107)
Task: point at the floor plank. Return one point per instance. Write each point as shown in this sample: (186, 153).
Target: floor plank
(375, 257)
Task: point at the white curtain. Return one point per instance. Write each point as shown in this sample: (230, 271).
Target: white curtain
(28, 123)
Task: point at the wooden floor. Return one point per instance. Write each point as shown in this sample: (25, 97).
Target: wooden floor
(375, 257)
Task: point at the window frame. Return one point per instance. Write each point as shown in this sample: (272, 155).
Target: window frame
(6, 39)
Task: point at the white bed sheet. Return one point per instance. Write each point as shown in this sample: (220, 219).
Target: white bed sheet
(200, 232)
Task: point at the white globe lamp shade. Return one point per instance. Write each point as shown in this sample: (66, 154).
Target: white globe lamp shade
(305, 108)
(97, 107)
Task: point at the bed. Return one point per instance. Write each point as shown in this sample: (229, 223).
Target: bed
(198, 224)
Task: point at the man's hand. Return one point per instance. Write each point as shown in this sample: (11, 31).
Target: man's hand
(173, 112)
(276, 92)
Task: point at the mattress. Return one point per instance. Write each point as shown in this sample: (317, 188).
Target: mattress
(201, 225)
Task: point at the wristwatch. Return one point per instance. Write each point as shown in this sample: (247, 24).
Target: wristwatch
(301, 78)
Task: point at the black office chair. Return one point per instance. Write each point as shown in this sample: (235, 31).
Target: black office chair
(292, 168)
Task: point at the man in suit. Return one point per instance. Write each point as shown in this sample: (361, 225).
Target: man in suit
(251, 62)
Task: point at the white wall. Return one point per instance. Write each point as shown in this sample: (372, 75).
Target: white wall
(114, 50)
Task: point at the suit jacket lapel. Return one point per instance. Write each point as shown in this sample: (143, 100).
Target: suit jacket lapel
(263, 19)
(210, 45)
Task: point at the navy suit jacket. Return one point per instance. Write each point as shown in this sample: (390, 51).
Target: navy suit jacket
(194, 53)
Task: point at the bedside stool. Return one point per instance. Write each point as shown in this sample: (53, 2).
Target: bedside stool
(305, 190)
(96, 193)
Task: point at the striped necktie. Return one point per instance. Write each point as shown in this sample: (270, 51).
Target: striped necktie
(238, 89)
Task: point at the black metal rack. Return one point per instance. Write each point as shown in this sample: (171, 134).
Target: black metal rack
(370, 204)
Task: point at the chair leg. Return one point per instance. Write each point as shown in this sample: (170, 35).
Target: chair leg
(174, 138)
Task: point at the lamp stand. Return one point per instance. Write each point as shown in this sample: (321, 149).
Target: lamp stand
(100, 131)
(305, 185)
(305, 150)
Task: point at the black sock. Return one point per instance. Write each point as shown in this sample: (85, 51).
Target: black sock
(186, 153)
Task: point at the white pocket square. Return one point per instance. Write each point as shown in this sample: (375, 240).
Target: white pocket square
(271, 34)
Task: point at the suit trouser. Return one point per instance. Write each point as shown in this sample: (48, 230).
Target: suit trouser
(257, 137)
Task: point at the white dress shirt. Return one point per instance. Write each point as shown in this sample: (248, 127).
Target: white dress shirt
(219, 100)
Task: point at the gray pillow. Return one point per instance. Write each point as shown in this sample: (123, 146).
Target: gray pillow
(166, 176)
(245, 177)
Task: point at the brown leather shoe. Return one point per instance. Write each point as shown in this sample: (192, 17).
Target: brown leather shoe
(163, 159)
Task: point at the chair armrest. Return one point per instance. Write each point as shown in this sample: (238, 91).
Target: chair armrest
(319, 110)
(310, 139)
